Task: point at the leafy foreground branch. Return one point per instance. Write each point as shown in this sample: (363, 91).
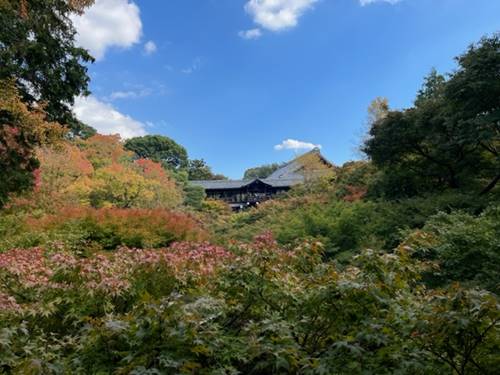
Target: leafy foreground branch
(252, 309)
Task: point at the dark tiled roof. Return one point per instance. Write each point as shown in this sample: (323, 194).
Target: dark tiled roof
(221, 184)
(237, 184)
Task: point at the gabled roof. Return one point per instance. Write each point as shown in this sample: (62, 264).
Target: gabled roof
(289, 175)
(292, 169)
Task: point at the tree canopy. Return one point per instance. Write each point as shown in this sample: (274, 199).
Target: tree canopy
(198, 169)
(37, 40)
(159, 148)
(262, 171)
(450, 137)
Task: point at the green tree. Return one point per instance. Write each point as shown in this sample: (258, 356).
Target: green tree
(194, 196)
(460, 328)
(432, 89)
(262, 171)
(450, 137)
(473, 92)
(159, 148)
(37, 40)
(198, 169)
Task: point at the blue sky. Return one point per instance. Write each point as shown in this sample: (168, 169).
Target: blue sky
(231, 79)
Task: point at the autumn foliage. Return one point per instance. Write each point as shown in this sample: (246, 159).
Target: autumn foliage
(98, 172)
(21, 130)
(86, 230)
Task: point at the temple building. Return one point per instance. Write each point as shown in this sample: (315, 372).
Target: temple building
(240, 194)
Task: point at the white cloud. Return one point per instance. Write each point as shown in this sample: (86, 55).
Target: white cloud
(108, 23)
(293, 144)
(276, 15)
(150, 47)
(131, 94)
(250, 34)
(368, 2)
(106, 119)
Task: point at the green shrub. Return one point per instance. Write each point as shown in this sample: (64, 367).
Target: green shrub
(345, 227)
(466, 247)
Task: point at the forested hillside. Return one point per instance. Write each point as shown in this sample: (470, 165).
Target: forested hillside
(111, 262)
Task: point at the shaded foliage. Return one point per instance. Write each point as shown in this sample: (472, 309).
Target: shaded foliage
(466, 248)
(448, 139)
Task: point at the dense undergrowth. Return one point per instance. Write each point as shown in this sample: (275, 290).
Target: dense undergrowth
(254, 308)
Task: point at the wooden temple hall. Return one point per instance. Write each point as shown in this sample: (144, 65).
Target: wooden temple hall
(240, 194)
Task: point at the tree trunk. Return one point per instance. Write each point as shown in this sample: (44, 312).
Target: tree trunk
(490, 186)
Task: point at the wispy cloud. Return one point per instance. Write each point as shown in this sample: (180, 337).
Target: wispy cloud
(293, 144)
(250, 34)
(195, 65)
(108, 23)
(106, 119)
(368, 2)
(150, 47)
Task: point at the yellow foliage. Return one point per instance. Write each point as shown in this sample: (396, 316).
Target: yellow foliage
(99, 172)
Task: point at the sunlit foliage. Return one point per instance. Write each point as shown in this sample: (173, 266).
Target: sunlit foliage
(21, 131)
(84, 230)
(98, 172)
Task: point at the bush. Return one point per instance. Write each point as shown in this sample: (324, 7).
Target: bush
(87, 229)
(466, 247)
(344, 227)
